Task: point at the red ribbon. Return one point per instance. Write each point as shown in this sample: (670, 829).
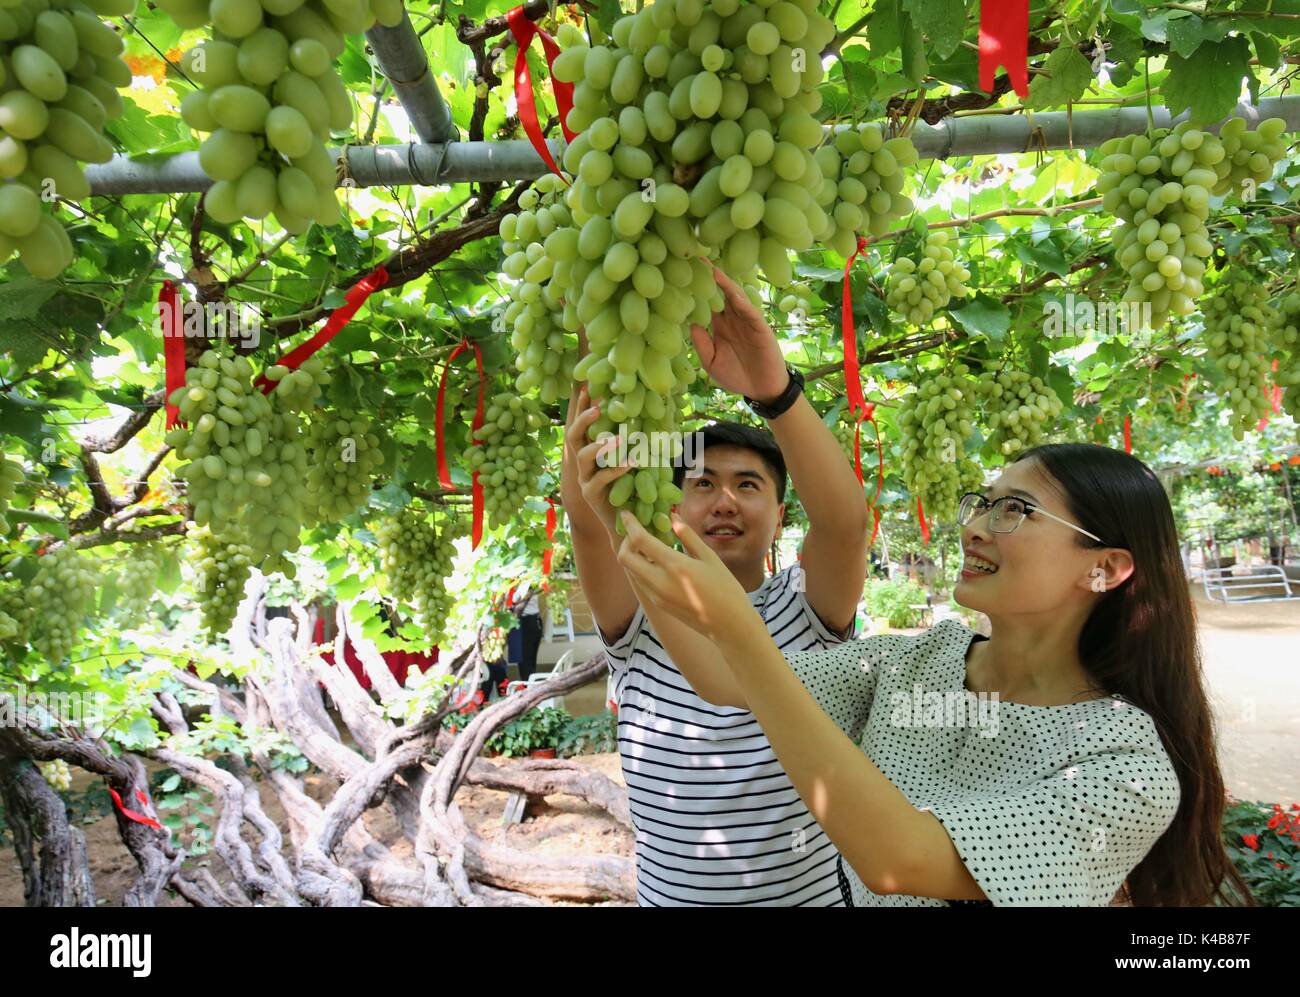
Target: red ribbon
(173, 347)
(523, 29)
(444, 475)
(1128, 435)
(139, 818)
(920, 515)
(859, 407)
(550, 536)
(1004, 41)
(354, 298)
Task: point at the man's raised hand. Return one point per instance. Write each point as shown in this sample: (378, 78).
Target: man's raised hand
(742, 355)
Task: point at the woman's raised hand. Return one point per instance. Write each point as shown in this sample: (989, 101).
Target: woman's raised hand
(594, 475)
(695, 587)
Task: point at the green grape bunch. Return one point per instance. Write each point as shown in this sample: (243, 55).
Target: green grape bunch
(247, 454)
(222, 566)
(862, 189)
(268, 97)
(1240, 328)
(696, 135)
(62, 70)
(1020, 409)
(11, 476)
(345, 459)
(545, 350)
(416, 558)
(57, 773)
(1288, 356)
(508, 457)
(1159, 185)
(919, 288)
(51, 611)
(936, 421)
(137, 579)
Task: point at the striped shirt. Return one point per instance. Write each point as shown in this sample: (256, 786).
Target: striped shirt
(717, 822)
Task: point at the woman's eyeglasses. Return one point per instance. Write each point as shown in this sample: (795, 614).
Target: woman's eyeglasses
(1007, 513)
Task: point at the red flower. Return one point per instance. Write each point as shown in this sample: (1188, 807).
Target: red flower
(1252, 841)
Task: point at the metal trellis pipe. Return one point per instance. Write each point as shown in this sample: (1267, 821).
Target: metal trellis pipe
(463, 162)
(402, 59)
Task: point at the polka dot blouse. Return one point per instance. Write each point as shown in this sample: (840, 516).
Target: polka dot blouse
(1046, 805)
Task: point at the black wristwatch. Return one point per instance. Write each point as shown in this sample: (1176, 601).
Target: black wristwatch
(782, 402)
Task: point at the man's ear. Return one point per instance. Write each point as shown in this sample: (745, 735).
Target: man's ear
(780, 522)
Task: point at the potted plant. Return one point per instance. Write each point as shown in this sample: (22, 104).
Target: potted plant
(550, 723)
(533, 732)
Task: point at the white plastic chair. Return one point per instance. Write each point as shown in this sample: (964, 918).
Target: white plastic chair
(559, 668)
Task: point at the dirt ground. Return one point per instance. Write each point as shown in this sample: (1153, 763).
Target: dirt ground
(1251, 661)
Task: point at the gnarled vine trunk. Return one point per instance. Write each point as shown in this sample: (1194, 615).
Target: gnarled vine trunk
(329, 858)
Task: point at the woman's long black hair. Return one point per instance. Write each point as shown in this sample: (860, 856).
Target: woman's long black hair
(1140, 642)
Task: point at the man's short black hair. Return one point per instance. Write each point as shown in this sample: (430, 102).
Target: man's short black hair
(721, 432)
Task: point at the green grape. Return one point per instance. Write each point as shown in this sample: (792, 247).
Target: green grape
(416, 557)
(222, 566)
(1240, 328)
(508, 458)
(62, 67)
(918, 288)
(1019, 409)
(693, 147)
(546, 350)
(270, 96)
(862, 186)
(248, 455)
(936, 421)
(9, 627)
(137, 581)
(1287, 343)
(1159, 185)
(494, 645)
(345, 458)
(58, 600)
(11, 476)
(57, 774)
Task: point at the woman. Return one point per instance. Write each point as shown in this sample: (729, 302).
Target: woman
(1088, 771)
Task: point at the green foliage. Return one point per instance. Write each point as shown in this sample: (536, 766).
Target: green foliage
(535, 729)
(893, 602)
(1264, 844)
(595, 733)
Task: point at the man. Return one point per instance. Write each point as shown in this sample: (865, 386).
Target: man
(717, 820)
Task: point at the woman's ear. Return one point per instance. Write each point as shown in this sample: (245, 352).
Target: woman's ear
(1109, 571)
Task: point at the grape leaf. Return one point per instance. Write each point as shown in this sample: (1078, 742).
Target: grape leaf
(1186, 34)
(944, 21)
(1209, 81)
(1066, 76)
